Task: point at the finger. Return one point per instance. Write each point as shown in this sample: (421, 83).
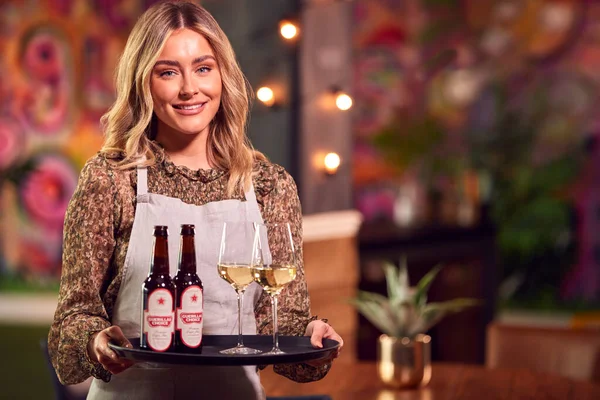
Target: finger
(330, 333)
(316, 339)
(114, 335)
(339, 339)
(337, 352)
(106, 355)
(117, 337)
(103, 351)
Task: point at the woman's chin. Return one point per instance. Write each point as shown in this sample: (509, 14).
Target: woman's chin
(185, 131)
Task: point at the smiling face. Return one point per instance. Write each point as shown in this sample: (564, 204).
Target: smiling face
(185, 85)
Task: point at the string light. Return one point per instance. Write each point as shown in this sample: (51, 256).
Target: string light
(265, 94)
(343, 101)
(288, 30)
(331, 162)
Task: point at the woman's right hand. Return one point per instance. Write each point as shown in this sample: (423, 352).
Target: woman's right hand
(99, 351)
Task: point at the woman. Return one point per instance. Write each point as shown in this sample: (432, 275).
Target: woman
(175, 145)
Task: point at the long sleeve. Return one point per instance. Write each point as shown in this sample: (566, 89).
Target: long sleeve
(282, 204)
(88, 245)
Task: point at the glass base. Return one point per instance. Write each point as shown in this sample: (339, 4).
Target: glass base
(241, 350)
(274, 351)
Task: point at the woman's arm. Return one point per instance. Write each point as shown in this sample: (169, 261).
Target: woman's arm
(88, 244)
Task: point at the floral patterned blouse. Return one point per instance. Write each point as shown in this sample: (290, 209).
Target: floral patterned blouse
(97, 229)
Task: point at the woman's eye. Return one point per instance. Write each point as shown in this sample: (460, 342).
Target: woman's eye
(204, 70)
(167, 74)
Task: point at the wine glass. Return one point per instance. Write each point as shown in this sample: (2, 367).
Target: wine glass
(234, 266)
(275, 266)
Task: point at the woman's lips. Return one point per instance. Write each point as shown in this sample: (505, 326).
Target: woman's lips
(189, 109)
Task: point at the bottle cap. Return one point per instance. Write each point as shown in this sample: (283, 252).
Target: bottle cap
(187, 229)
(161, 230)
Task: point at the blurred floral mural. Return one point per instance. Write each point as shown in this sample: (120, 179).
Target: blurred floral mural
(57, 65)
(487, 104)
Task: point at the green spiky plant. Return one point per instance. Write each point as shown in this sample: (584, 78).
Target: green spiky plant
(405, 312)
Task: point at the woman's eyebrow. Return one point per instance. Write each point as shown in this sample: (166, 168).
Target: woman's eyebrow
(203, 58)
(172, 63)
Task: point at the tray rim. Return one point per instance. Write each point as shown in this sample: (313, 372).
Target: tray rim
(174, 358)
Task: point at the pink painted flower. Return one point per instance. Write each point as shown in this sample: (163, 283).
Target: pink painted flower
(11, 142)
(46, 55)
(46, 191)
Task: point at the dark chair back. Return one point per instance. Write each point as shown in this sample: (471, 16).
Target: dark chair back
(573, 353)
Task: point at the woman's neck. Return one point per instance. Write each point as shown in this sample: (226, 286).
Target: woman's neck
(186, 150)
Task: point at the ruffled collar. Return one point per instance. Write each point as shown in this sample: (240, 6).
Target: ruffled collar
(203, 175)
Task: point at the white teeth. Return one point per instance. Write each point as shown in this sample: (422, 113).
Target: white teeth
(194, 107)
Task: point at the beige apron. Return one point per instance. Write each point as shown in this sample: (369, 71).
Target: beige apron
(156, 381)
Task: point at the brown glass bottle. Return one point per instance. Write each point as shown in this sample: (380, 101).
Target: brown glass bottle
(189, 296)
(158, 298)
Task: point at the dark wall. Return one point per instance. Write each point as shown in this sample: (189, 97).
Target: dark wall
(253, 29)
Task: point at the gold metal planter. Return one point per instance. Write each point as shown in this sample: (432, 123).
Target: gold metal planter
(404, 362)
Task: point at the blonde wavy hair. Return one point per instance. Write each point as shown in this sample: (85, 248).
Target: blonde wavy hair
(129, 125)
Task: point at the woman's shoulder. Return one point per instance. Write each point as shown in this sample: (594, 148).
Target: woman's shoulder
(106, 166)
(267, 176)
(102, 162)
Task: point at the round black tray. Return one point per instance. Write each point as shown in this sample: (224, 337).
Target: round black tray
(297, 348)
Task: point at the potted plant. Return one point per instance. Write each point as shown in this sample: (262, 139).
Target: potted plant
(404, 317)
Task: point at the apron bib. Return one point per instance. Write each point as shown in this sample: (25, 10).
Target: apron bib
(159, 381)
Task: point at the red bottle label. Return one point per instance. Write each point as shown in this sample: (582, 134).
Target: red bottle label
(189, 316)
(159, 320)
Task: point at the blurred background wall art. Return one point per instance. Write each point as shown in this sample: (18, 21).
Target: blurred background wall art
(486, 110)
(57, 80)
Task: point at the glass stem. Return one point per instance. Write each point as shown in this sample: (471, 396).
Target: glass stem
(275, 328)
(240, 297)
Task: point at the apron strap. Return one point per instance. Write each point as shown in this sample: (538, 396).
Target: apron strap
(251, 201)
(142, 185)
(250, 194)
(253, 214)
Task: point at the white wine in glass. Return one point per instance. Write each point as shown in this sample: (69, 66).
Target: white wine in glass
(273, 278)
(235, 259)
(277, 266)
(238, 276)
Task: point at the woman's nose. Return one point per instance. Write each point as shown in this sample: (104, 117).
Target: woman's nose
(188, 88)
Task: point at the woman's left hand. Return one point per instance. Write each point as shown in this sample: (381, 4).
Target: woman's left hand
(319, 330)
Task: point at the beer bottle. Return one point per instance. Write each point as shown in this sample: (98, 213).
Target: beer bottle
(158, 295)
(189, 296)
